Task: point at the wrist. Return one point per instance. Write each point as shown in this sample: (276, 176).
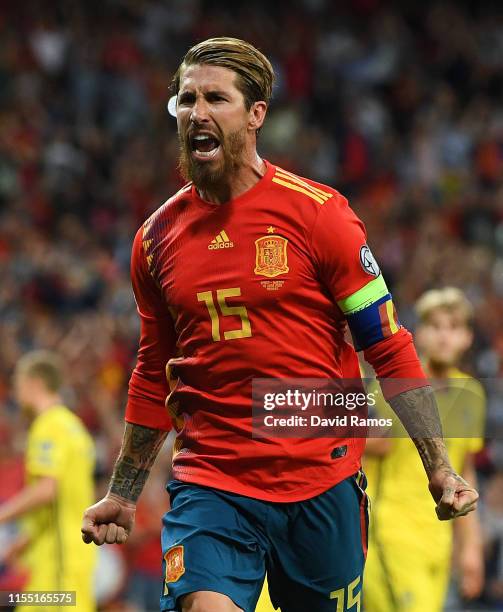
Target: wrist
(434, 456)
(123, 501)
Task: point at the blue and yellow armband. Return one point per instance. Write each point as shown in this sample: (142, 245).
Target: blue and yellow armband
(370, 314)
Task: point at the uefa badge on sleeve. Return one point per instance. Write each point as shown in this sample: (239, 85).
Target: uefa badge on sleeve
(368, 262)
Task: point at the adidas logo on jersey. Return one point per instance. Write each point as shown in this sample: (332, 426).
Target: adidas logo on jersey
(221, 241)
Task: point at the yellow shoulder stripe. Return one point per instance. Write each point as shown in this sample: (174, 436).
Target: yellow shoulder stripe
(146, 226)
(294, 187)
(295, 179)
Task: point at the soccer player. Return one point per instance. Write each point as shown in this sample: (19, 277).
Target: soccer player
(410, 552)
(250, 271)
(59, 475)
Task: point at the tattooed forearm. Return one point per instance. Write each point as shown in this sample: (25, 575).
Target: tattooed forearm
(417, 410)
(140, 447)
(128, 480)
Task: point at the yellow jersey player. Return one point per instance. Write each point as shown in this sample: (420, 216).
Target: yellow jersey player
(59, 485)
(409, 556)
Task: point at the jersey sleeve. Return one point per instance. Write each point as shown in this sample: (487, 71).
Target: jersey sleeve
(351, 274)
(46, 450)
(148, 386)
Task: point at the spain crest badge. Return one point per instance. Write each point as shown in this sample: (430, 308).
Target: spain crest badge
(174, 564)
(271, 256)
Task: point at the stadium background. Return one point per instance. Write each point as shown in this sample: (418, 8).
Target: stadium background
(397, 104)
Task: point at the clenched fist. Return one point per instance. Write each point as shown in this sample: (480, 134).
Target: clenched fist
(453, 495)
(110, 520)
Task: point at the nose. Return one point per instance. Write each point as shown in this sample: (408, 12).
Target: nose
(199, 112)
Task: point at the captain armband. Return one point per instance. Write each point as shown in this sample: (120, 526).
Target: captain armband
(370, 314)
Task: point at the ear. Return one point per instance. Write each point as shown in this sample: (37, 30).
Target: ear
(256, 115)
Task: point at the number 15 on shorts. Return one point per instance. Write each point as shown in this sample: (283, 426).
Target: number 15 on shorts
(353, 599)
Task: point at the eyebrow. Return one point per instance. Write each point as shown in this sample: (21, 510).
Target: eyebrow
(211, 92)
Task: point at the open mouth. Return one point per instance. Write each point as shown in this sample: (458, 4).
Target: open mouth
(205, 145)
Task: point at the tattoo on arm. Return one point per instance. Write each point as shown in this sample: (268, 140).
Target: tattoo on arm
(417, 410)
(140, 447)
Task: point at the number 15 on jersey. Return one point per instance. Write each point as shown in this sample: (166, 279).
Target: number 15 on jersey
(208, 297)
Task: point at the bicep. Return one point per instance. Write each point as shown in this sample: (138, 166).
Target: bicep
(351, 274)
(157, 343)
(148, 386)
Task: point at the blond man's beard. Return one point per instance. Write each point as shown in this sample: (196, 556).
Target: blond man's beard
(207, 174)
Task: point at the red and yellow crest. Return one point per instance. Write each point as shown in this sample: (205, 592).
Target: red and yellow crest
(271, 258)
(174, 564)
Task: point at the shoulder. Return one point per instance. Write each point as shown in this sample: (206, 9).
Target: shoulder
(161, 216)
(57, 422)
(317, 203)
(167, 208)
(467, 382)
(46, 426)
(306, 188)
(150, 233)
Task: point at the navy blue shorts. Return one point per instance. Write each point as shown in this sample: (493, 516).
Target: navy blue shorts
(313, 551)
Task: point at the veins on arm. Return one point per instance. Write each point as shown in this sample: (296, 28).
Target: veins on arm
(418, 412)
(140, 447)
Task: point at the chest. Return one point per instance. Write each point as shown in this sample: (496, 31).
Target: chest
(223, 258)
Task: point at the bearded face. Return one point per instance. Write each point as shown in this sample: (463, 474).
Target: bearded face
(223, 155)
(212, 124)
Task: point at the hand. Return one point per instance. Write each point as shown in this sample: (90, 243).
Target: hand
(453, 495)
(471, 572)
(10, 554)
(110, 520)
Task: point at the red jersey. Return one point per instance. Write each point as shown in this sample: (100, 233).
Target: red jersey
(242, 290)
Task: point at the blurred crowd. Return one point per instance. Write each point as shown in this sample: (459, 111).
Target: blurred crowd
(397, 104)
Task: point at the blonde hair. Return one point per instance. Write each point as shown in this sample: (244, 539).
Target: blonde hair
(447, 298)
(254, 71)
(43, 365)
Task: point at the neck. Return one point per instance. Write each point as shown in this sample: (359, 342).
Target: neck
(44, 402)
(248, 174)
(437, 370)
